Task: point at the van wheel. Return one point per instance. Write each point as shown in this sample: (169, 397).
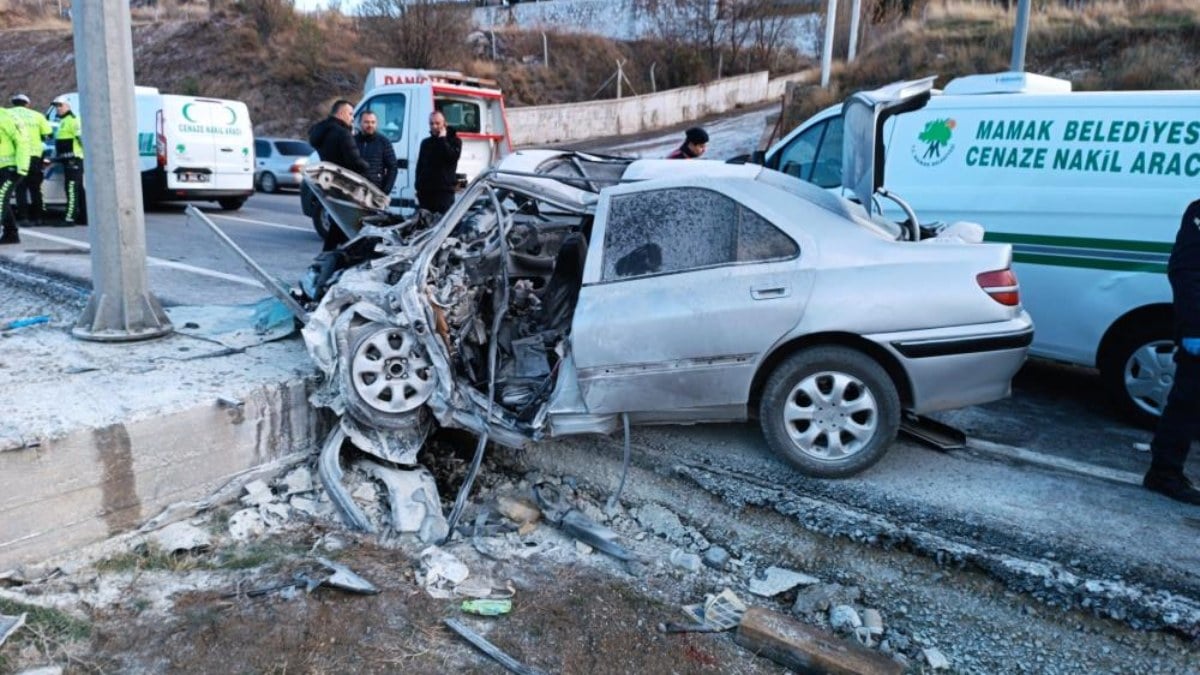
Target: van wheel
(830, 411)
(1138, 369)
(231, 203)
(267, 182)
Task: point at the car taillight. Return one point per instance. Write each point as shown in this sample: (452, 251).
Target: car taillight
(297, 167)
(1001, 285)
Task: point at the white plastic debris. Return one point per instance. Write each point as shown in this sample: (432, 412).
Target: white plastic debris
(297, 481)
(873, 621)
(684, 560)
(844, 618)
(10, 625)
(345, 579)
(722, 611)
(43, 670)
(246, 524)
(777, 580)
(412, 499)
(180, 536)
(257, 492)
(443, 571)
(274, 514)
(1141, 447)
(936, 659)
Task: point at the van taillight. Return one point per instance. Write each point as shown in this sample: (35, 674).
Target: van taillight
(160, 141)
(1001, 285)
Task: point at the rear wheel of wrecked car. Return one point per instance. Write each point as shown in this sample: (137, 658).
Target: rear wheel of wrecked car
(389, 376)
(830, 411)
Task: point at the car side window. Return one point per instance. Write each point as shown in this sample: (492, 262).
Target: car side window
(758, 240)
(390, 109)
(798, 158)
(827, 170)
(262, 149)
(665, 231)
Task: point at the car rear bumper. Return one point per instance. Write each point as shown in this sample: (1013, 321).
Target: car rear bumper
(971, 366)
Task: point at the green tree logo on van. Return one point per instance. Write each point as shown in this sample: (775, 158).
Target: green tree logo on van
(936, 138)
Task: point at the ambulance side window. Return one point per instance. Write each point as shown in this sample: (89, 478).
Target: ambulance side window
(798, 158)
(390, 109)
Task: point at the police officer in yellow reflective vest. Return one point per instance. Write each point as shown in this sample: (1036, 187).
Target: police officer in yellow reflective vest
(68, 148)
(14, 163)
(37, 130)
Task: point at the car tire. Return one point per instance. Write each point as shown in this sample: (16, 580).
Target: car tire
(267, 183)
(381, 351)
(231, 203)
(820, 437)
(1137, 370)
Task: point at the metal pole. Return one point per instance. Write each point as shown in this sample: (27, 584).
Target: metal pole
(120, 307)
(620, 76)
(653, 85)
(545, 51)
(1020, 36)
(855, 11)
(827, 51)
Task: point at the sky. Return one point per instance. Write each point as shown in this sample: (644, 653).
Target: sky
(309, 5)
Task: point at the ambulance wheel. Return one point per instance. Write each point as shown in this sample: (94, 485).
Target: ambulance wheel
(231, 203)
(1137, 368)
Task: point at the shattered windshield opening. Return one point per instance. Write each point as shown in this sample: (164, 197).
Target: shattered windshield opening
(509, 274)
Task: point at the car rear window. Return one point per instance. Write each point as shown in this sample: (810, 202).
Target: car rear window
(296, 148)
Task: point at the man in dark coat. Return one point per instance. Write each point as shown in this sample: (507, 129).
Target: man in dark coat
(333, 139)
(1180, 423)
(437, 166)
(695, 142)
(376, 150)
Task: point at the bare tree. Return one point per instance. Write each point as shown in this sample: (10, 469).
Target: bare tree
(415, 33)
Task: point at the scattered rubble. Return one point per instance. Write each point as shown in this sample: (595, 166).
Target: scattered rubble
(10, 625)
(936, 659)
(181, 537)
(777, 580)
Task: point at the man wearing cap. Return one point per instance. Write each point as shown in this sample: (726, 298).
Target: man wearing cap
(68, 148)
(37, 129)
(14, 163)
(695, 142)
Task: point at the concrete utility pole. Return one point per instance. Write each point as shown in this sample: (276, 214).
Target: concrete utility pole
(827, 51)
(120, 308)
(1020, 36)
(855, 11)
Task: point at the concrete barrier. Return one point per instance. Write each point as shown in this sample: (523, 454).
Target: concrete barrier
(565, 122)
(93, 483)
(540, 125)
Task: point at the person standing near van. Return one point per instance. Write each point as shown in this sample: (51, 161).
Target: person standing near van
(14, 162)
(68, 148)
(376, 150)
(695, 142)
(1180, 423)
(333, 139)
(437, 166)
(37, 130)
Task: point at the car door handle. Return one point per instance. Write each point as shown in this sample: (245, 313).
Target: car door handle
(769, 292)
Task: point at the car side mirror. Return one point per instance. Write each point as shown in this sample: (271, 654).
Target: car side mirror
(758, 157)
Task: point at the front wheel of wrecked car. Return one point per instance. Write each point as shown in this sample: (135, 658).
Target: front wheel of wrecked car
(830, 411)
(387, 376)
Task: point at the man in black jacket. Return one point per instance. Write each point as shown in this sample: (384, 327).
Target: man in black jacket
(376, 150)
(437, 166)
(1180, 423)
(333, 139)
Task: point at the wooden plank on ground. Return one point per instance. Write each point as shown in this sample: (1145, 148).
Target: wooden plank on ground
(806, 649)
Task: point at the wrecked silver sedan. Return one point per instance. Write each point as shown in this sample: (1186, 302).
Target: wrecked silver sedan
(567, 294)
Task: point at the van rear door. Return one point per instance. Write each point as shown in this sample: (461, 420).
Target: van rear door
(477, 115)
(208, 145)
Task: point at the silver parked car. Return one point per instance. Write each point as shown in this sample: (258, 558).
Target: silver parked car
(278, 162)
(566, 294)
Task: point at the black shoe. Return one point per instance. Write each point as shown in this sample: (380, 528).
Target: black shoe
(1174, 485)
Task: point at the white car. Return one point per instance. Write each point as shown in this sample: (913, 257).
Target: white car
(565, 294)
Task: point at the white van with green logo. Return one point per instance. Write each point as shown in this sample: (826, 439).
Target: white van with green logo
(190, 148)
(1088, 187)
